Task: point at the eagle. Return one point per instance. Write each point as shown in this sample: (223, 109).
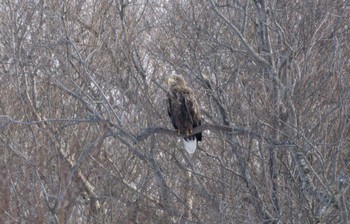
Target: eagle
(183, 111)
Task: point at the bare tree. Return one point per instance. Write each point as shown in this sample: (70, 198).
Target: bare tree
(84, 134)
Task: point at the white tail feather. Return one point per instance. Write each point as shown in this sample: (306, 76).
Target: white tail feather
(190, 145)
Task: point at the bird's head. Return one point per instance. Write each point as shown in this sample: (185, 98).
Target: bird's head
(176, 81)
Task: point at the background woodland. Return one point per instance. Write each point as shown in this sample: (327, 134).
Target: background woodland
(83, 127)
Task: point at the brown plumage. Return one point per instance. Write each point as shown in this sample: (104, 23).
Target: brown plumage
(183, 111)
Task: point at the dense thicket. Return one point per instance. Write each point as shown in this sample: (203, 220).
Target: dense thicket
(81, 87)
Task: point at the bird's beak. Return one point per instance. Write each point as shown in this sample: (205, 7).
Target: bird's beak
(169, 81)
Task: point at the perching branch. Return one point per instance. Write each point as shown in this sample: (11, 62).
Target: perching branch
(212, 127)
(160, 130)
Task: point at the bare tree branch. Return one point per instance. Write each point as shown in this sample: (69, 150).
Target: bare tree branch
(212, 127)
(245, 43)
